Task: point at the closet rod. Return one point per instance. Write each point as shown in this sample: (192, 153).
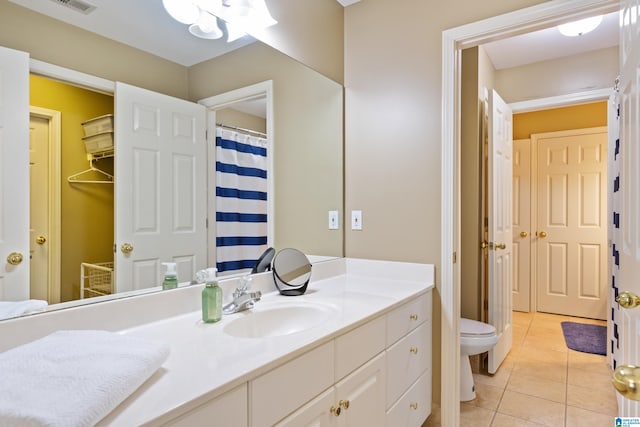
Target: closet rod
(262, 134)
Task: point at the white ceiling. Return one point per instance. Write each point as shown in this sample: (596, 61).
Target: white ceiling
(550, 44)
(144, 24)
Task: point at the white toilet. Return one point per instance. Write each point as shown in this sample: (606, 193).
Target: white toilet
(475, 338)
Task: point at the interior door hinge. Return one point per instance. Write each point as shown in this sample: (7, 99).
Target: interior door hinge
(115, 248)
(455, 257)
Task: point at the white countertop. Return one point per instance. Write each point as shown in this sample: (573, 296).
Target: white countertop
(206, 361)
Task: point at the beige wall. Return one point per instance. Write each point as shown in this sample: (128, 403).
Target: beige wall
(577, 73)
(61, 44)
(307, 144)
(392, 127)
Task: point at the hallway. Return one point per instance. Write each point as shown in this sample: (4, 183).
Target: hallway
(542, 382)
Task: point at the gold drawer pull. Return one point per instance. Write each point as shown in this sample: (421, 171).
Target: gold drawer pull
(344, 404)
(413, 317)
(413, 350)
(335, 411)
(414, 406)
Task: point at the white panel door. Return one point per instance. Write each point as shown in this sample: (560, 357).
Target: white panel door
(571, 233)
(628, 244)
(14, 173)
(160, 187)
(500, 227)
(521, 286)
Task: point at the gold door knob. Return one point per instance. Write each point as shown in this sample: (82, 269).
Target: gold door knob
(414, 406)
(14, 258)
(626, 380)
(335, 411)
(523, 234)
(501, 246)
(41, 240)
(126, 248)
(542, 234)
(628, 299)
(344, 404)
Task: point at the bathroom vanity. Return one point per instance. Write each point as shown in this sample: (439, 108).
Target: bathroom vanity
(354, 350)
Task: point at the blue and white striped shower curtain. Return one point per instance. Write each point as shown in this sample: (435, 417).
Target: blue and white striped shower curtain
(241, 200)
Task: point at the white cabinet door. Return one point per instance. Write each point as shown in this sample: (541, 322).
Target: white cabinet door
(316, 413)
(14, 173)
(362, 395)
(160, 187)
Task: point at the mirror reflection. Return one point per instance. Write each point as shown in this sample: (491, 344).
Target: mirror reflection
(307, 170)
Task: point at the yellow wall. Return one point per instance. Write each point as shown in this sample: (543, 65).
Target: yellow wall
(566, 118)
(87, 209)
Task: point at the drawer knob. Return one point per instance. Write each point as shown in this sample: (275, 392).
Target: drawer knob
(344, 404)
(335, 411)
(414, 350)
(413, 317)
(414, 406)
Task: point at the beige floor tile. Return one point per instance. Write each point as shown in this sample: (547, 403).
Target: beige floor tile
(596, 399)
(550, 343)
(553, 371)
(594, 363)
(538, 387)
(588, 378)
(577, 417)
(531, 352)
(498, 380)
(532, 409)
(487, 396)
(475, 416)
(502, 420)
(434, 419)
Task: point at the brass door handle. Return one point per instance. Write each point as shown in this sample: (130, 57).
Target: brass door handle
(542, 234)
(628, 299)
(626, 380)
(126, 248)
(41, 240)
(14, 258)
(523, 234)
(501, 246)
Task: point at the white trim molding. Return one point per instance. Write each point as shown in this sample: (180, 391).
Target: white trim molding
(453, 41)
(561, 100)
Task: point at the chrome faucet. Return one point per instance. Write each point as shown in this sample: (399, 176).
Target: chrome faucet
(243, 299)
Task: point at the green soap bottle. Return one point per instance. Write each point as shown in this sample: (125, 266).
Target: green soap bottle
(170, 280)
(211, 298)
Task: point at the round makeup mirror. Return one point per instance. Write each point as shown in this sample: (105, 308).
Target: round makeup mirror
(291, 271)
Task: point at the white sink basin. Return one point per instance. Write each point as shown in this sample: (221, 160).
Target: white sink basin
(270, 319)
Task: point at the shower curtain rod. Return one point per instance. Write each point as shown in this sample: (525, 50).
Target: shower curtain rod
(262, 134)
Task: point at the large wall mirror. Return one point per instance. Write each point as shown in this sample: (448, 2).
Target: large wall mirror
(307, 150)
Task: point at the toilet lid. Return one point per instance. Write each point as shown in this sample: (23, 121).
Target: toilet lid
(470, 327)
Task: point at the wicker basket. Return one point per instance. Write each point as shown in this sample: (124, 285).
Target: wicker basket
(96, 279)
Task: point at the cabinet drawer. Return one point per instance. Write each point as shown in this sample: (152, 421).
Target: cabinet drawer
(279, 392)
(407, 359)
(230, 407)
(413, 408)
(406, 318)
(354, 348)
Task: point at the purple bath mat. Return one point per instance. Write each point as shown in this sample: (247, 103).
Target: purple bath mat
(585, 338)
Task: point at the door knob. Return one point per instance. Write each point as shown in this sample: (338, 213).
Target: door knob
(14, 258)
(126, 248)
(626, 380)
(542, 234)
(628, 299)
(501, 246)
(41, 240)
(523, 234)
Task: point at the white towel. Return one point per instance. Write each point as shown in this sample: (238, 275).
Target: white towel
(9, 309)
(73, 378)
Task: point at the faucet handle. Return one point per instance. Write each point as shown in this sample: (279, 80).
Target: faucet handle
(245, 283)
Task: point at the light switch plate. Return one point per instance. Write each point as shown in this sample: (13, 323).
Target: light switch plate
(356, 220)
(333, 220)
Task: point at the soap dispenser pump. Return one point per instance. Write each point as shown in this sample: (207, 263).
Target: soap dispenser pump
(170, 280)
(211, 298)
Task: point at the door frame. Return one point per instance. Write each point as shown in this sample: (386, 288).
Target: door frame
(54, 119)
(453, 42)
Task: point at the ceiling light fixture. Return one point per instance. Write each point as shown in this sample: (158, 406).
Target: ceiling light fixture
(581, 27)
(241, 16)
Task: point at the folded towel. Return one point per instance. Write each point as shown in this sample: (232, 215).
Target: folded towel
(9, 309)
(73, 378)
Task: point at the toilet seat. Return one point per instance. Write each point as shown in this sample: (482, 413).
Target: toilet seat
(473, 328)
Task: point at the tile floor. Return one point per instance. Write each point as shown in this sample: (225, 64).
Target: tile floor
(541, 382)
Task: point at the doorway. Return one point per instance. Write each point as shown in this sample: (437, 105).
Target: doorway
(454, 41)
